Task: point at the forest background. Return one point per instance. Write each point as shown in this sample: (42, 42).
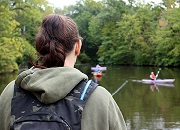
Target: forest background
(113, 31)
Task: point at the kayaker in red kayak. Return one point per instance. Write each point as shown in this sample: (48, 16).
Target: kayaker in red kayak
(152, 76)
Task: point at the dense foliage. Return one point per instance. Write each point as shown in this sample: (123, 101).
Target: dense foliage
(118, 33)
(19, 22)
(114, 32)
(10, 40)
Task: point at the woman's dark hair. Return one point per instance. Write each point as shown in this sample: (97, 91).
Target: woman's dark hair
(55, 39)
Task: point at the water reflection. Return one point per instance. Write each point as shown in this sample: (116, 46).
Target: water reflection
(155, 123)
(154, 85)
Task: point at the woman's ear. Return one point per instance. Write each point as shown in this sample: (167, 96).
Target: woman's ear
(78, 45)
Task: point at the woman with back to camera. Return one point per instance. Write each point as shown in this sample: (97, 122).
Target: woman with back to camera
(53, 77)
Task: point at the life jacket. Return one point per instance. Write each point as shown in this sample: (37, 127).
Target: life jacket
(152, 76)
(28, 113)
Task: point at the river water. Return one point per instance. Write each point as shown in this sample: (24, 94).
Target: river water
(144, 106)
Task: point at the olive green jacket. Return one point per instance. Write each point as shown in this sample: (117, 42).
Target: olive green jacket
(50, 85)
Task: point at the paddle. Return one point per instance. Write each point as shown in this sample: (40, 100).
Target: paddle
(158, 72)
(120, 87)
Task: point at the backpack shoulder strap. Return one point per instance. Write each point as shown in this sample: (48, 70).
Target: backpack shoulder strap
(88, 89)
(83, 90)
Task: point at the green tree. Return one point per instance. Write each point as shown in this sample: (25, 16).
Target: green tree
(28, 54)
(30, 14)
(110, 14)
(10, 40)
(130, 37)
(167, 38)
(19, 22)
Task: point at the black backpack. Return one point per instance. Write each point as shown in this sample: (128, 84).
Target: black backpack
(28, 113)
